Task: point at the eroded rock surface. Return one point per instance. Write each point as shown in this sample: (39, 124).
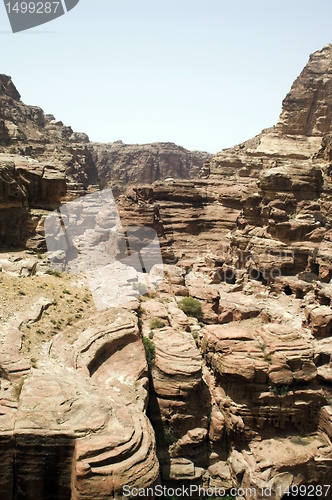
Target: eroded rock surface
(238, 397)
(74, 419)
(122, 164)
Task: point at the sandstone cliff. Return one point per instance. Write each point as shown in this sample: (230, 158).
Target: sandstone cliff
(44, 163)
(121, 164)
(252, 235)
(238, 397)
(73, 416)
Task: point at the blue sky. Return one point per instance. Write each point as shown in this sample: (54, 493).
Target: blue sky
(205, 74)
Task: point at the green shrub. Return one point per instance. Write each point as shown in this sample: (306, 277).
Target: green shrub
(280, 390)
(191, 306)
(33, 362)
(164, 434)
(150, 351)
(169, 435)
(303, 441)
(156, 323)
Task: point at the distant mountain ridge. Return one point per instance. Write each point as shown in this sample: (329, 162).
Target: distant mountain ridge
(28, 131)
(44, 163)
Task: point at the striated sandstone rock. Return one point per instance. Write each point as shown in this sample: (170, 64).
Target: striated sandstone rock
(178, 398)
(320, 320)
(57, 164)
(8, 88)
(267, 359)
(27, 185)
(80, 428)
(290, 211)
(307, 107)
(241, 403)
(121, 164)
(301, 460)
(176, 355)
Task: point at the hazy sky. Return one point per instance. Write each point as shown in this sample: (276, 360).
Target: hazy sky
(205, 74)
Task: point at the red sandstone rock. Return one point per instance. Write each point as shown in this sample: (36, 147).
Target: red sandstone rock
(87, 400)
(265, 388)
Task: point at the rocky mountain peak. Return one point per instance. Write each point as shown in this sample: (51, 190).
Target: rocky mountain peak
(237, 382)
(8, 88)
(306, 109)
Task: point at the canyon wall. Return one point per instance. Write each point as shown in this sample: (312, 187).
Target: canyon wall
(238, 396)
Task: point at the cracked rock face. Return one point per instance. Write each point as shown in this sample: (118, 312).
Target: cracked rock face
(307, 107)
(239, 396)
(44, 164)
(286, 213)
(79, 415)
(122, 164)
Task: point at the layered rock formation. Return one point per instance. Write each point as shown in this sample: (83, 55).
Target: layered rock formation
(179, 398)
(121, 164)
(238, 397)
(287, 214)
(281, 241)
(73, 421)
(271, 272)
(50, 164)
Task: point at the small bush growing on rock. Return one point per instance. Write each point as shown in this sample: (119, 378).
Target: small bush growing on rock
(165, 435)
(150, 351)
(156, 323)
(280, 390)
(169, 435)
(140, 311)
(303, 441)
(191, 306)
